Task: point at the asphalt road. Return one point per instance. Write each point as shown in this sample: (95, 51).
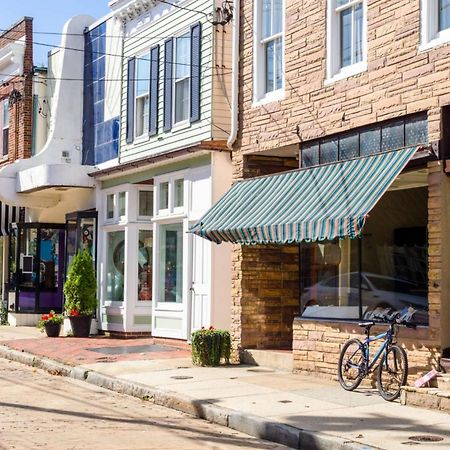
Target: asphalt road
(38, 410)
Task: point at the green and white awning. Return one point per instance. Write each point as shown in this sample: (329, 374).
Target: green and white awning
(312, 204)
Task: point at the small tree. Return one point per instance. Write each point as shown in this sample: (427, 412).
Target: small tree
(80, 289)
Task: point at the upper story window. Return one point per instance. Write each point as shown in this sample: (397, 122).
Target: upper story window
(346, 38)
(170, 195)
(435, 23)
(269, 50)
(366, 141)
(142, 94)
(4, 111)
(182, 79)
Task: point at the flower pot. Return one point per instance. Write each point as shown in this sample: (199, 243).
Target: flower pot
(52, 329)
(81, 325)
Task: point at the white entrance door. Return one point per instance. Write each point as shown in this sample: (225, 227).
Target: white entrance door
(200, 285)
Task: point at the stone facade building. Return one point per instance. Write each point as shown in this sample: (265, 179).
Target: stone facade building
(322, 84)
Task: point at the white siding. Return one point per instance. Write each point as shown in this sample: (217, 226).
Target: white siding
(154, 32)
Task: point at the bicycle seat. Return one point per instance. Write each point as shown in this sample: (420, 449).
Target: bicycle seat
(366, 324)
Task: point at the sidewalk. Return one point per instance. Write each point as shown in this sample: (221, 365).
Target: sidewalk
(260, 401)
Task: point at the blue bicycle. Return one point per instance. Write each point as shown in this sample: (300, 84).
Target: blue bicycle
(355, 363)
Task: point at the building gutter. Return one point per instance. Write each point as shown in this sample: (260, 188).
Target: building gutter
(235, 76)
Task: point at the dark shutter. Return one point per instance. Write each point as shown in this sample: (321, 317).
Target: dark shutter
(196, 43)
(130, 99)
(168, 82)
(153, 91)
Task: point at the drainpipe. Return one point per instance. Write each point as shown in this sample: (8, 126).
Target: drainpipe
(235, 76)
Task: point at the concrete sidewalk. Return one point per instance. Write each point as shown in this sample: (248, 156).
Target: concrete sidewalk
(295, 410)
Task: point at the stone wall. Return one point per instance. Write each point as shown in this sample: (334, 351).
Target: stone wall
(400, 78)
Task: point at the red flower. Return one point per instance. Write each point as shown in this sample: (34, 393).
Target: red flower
(211, 327)
(50, 315)
(74, 313)
(44, 317)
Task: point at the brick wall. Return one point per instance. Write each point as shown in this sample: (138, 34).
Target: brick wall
(20, 113)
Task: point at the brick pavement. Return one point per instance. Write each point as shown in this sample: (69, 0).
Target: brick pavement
(75, 351)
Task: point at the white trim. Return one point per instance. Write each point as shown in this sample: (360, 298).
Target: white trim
(260, 96)
(333, 70)
(430, 36)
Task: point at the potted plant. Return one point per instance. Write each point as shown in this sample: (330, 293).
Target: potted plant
(209, 346)
(51, 323)
(80, 293)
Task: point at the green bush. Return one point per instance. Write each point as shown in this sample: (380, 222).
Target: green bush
(80, 290)
(209, 346)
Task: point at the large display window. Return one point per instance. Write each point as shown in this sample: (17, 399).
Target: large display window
(384, 270)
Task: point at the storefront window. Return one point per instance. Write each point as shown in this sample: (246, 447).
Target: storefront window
(115, 265)
(179, 193)
(87, 229)
(145, 265)
(145, 203)
(385, 270)
(170, 284)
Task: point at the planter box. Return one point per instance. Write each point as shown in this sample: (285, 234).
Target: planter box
(67, 329)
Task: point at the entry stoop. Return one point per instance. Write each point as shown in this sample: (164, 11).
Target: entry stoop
(275, 359)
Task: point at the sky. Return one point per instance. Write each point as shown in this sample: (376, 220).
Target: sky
(48, 16)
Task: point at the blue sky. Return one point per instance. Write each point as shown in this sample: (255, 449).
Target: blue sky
(49, 16)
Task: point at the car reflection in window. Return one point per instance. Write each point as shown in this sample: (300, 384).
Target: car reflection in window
(378, 293)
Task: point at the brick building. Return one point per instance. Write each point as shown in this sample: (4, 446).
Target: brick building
(325, 85)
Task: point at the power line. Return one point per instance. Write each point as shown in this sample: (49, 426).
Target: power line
(103, 53)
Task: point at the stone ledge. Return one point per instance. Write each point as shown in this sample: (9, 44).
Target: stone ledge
(430, 398)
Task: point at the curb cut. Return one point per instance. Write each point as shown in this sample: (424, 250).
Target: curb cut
(246, 423)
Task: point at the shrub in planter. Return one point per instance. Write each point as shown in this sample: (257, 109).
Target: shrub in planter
(209, 346)
(80, 292)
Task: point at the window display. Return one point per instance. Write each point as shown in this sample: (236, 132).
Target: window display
(145, 265)
(115, 266)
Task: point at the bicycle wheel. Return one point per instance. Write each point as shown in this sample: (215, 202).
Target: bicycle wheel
(351, 365)
(392, 373)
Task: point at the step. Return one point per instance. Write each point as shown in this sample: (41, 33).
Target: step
(274, 359)
(429, 398)
(443, 382)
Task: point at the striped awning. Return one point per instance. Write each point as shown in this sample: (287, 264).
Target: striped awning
(8, 215)
(311, 204)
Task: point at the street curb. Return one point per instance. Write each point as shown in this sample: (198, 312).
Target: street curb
(246, 423)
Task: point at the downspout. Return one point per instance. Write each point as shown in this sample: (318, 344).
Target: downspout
(235, 76)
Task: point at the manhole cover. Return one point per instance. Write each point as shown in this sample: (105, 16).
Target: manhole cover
(261, 370)
(426, 438)
(132, 349)
(181, 377)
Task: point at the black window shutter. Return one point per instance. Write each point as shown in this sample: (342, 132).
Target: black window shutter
(131, 99)
(196, 44)
(153, 91)
(168, 83)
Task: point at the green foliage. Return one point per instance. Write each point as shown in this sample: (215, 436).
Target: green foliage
(51, 317)
(80, 290)
(3, 315)
(209, 346)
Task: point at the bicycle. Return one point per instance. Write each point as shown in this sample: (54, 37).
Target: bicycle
(355, 364)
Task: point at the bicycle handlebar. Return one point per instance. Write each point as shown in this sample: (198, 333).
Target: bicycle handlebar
(394, 320)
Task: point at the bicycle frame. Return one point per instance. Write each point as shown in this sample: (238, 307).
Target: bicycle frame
(366, 344)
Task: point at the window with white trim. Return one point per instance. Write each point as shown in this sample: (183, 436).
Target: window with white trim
(269, 49)
(5, 127)
(346, 38)
(142, 94)
(435, 22)
(182, 78)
